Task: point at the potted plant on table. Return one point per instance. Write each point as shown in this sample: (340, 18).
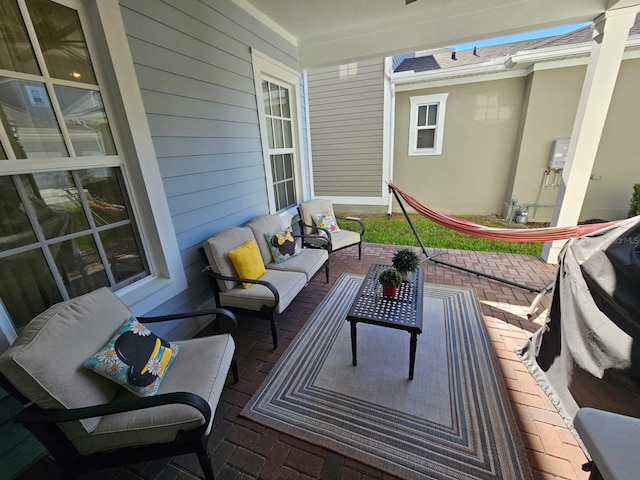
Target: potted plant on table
(405, 261)
(390, 279)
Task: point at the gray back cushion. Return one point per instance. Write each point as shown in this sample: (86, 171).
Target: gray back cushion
(45, 363)
(260, 226)
(217, 247)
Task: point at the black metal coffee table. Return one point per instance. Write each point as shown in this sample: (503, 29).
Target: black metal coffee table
(404, 312)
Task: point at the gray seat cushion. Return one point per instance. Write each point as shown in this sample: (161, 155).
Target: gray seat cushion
(308, 261)
(200, 368)
(288, 285)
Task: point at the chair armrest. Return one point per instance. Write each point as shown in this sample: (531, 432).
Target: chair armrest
(355, 219)
(35, 414)
(197, 313)
(322, 238)
(270, 286)
(325, 234)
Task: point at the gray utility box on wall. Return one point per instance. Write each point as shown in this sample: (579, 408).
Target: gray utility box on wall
(558, 154)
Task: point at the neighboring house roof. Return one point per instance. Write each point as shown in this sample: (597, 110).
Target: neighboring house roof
(446, 59)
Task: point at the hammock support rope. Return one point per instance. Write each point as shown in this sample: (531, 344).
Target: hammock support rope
(398, 195)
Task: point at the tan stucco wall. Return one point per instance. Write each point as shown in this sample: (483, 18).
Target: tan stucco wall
(497, 141)
(472, 174)
(550, 113)
(618, 160)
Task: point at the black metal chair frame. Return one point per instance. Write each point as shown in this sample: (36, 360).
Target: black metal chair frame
(266, 312)
(43, 423)
(357, 220)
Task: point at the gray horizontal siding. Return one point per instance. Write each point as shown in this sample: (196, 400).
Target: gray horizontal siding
(346, 111)
(193, 63)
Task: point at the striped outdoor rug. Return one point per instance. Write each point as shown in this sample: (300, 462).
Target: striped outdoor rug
(452, 421)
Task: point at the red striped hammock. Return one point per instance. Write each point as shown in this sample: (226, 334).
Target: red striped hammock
(544, 234)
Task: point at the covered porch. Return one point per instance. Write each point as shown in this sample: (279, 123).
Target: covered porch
(244, 449)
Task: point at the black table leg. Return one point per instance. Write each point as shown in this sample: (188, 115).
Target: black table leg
(354, 339)
(412, 353)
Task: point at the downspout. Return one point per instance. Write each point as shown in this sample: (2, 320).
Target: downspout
(389, 131)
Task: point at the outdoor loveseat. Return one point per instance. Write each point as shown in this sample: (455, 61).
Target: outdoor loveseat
(151, 398)
(259, 268)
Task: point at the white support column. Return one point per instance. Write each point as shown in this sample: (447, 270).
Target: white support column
(609, 40)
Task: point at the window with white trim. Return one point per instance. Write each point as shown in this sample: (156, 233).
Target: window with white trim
(67, 225)
(278, 85)
(426, 124)
(278, 124)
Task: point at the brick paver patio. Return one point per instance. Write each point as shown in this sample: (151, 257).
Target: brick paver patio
(243, 449)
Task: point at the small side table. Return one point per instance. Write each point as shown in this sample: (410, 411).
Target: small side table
(404, 312)
(612, 440)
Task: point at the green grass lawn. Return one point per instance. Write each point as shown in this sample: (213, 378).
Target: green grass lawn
(395, 230)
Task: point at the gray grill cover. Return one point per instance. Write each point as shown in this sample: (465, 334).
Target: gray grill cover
(588, 353)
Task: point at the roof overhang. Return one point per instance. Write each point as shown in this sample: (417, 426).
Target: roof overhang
(341, 31)
(516, 65)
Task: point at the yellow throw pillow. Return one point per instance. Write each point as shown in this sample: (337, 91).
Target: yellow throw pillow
(247, 261)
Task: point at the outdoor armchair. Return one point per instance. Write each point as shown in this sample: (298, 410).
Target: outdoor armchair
(89, 422)
(312, 211)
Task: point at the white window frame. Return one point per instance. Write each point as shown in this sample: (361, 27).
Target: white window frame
(416, 102)
(265, 67)
(105, 33)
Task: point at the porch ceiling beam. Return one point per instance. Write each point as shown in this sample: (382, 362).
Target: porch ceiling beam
(610, 36)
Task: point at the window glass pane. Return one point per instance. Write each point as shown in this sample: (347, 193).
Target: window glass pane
(265, 97)
(54, 197)
(27, 287)
(32, 126)
(288, 166)
(86, 121)
(284, 100)
(104, 194)
(279, 168)
(275, 100)
(422, 115)
(122, 252)
(282, 196)
(79, 264)
(3, 155)
(277, 130)
(291, 196)
(288, 141)
(15, 228)
(272, 142)
(426, 138)
(62, 41)
(16, 52)
(433, 115)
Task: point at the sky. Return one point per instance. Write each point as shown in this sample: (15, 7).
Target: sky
(521, 36)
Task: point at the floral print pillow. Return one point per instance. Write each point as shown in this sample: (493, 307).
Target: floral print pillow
(135, 358)
(326, 221)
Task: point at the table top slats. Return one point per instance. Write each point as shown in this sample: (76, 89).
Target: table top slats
(403, 312)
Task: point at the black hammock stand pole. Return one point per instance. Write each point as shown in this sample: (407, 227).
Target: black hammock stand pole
(539, 291)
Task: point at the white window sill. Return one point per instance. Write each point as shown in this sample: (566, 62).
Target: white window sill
(147, 293)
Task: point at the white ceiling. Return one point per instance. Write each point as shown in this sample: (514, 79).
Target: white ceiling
(340, 31)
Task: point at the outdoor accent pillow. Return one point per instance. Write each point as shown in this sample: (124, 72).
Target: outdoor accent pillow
(326, 221)
(282, 244)
(134, 358)
(247, 261)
